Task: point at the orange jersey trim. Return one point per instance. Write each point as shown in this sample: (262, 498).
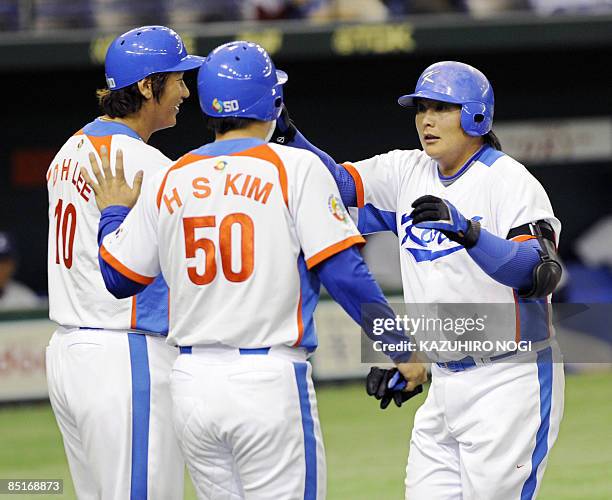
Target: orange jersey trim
(523, 237)
(119, 267)
(133, 321)
(358, 183)
(266, 153)
(181, 162)
(263, 152)
(98, 142)
(334, 249)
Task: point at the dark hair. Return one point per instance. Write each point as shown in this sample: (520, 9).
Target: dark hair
(492, 140)
(225, 124)
(128, 100)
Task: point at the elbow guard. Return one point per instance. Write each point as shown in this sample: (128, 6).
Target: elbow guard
(547, 273)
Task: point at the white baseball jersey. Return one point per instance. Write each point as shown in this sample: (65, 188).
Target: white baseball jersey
(493, 188)
(235, 227)
(107, 364)
(484, 432)
(77, 295)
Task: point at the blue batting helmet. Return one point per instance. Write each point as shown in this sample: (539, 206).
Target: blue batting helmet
(239, 79)
(143, 51)
(457, 83)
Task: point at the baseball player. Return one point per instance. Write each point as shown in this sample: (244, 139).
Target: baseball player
(474, 226)
(108, 364)
(244, 233)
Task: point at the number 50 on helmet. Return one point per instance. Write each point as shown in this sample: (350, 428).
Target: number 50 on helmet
(239, 79)
(457, 83)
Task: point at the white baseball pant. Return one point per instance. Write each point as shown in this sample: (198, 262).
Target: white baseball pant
(485, 433)
(110, 394)
(248, 424)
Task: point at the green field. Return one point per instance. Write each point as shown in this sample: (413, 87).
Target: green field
(366, 447)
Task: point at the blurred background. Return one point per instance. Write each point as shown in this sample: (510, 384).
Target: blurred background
(348, 61)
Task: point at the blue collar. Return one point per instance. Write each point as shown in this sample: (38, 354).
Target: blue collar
(102, 128)
(219, 148)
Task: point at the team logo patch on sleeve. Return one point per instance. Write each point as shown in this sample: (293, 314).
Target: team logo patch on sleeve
(336, 208)
(220, 165)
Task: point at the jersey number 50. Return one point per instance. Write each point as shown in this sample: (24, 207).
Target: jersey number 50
(247, 247)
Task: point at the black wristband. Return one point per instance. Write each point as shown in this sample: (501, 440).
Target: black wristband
(467, 239)
(472, 234)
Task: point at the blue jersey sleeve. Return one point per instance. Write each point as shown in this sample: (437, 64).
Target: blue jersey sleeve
(371, 219)
(344, 180)
(508, 262)
(117, 284)
(348, 280)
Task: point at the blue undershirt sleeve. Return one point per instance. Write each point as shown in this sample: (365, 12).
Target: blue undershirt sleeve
(348, 280)
(508, 262)
(344, 180)
(116, 283)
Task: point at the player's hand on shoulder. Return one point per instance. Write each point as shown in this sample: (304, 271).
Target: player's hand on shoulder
(112, 189)
(431, 212)
(285, 130)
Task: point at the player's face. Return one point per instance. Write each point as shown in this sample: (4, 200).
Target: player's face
(174, 93)
(439, 127)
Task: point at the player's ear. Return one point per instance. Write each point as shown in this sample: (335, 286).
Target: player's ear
(146, 88)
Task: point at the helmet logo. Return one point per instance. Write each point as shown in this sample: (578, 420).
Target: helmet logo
(225, 106)
(217, 106)
(110, 82)
(427, 76)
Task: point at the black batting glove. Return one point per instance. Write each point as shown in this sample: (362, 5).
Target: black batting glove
(400, 397)
(285, 130)
(377, 385)
(431, 212)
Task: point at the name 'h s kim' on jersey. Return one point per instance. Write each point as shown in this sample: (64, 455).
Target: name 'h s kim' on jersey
(235, 226)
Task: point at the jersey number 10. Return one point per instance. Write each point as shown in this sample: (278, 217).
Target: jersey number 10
(67, 221)
(247, 247)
